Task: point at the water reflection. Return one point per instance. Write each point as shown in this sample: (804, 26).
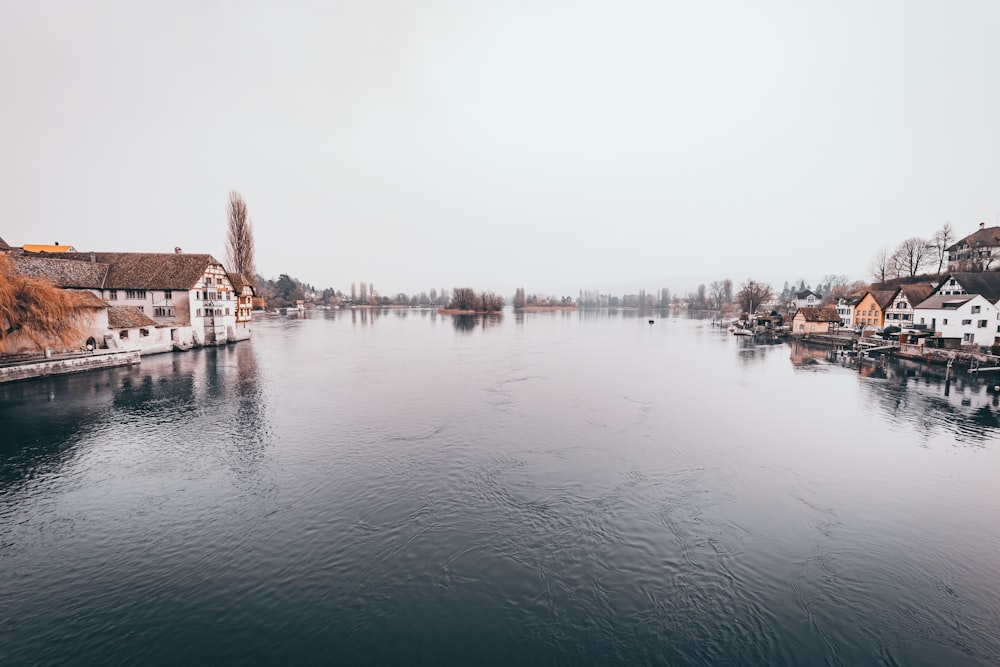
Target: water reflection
(467, 323)
(45, 420)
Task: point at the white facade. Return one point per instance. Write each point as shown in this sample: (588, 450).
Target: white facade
(969, 317)
(845, 309)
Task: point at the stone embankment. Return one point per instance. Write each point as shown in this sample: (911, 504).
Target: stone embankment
(66, 364)
(957, 357)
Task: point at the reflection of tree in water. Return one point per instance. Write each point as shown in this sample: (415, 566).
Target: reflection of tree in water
(253, 426)
(467, 323)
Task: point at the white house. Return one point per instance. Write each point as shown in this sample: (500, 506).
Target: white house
(845, 309)
(807, 299)
(188, 298)
(899, 312)
(970, 317)
(978, 251)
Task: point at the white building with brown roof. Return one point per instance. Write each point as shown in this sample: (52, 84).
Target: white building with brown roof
(979, 251)
(187, 298)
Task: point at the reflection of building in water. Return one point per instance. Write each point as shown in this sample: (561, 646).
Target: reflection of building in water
(964, 406)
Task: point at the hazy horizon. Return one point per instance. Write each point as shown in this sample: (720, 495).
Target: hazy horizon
(541, 145)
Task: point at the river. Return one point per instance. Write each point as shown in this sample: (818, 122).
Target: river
(381, 487)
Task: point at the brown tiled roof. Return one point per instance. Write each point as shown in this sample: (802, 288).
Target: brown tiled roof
(884, 297)
(61, 272)
(819, 314)
(128, 317)
(150, 270)
(90, 300)
(916, 293)
(239, 282)
(3, 245)
(988, 237)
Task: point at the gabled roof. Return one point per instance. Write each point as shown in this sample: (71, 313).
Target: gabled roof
(3, 245)
(852, 299)
(986, 283)
(883, 297)
(818, 314)
(917, 292)
(61, 272)
(942, 301)
(804, 294)
(128, 317)
(988, 237)
(42, 247)
(239, 282)
(150, 270)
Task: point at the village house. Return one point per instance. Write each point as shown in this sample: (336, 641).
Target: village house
(164, 300)
(899, 312)
(815, 320)
(245, 294)
(845, 309)
(970, 317)
(807, 299)
(870, 311)
(977, 251)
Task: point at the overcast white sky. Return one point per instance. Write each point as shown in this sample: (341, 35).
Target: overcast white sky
(544, 144)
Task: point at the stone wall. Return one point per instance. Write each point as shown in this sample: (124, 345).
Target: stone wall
(66, 364)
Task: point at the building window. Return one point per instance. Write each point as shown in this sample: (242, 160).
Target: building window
(123, 334)
(967, 338)
(135, 294)
(113, 295)
(982, 324)
(197, 313)
(168, 294)
(975, 309)
(943, 322)
(143, 332)
(964, 322)
(227, 311)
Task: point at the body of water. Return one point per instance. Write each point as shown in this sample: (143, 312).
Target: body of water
(403, 487)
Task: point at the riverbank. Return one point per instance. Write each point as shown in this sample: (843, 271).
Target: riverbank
(67, 363)
(963, 358)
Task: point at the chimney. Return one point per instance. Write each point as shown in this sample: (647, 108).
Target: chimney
(982, 225)
(93, 257)
(177, 249)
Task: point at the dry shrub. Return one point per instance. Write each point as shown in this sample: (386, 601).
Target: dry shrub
(37, 312)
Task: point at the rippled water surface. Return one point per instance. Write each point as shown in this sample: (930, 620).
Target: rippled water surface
(554, 488)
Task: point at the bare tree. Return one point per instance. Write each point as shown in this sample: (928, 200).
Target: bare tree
(752, 294)
(881, 266)
(240, 242)
(943, 239)
(911, 256)
(718, 294)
